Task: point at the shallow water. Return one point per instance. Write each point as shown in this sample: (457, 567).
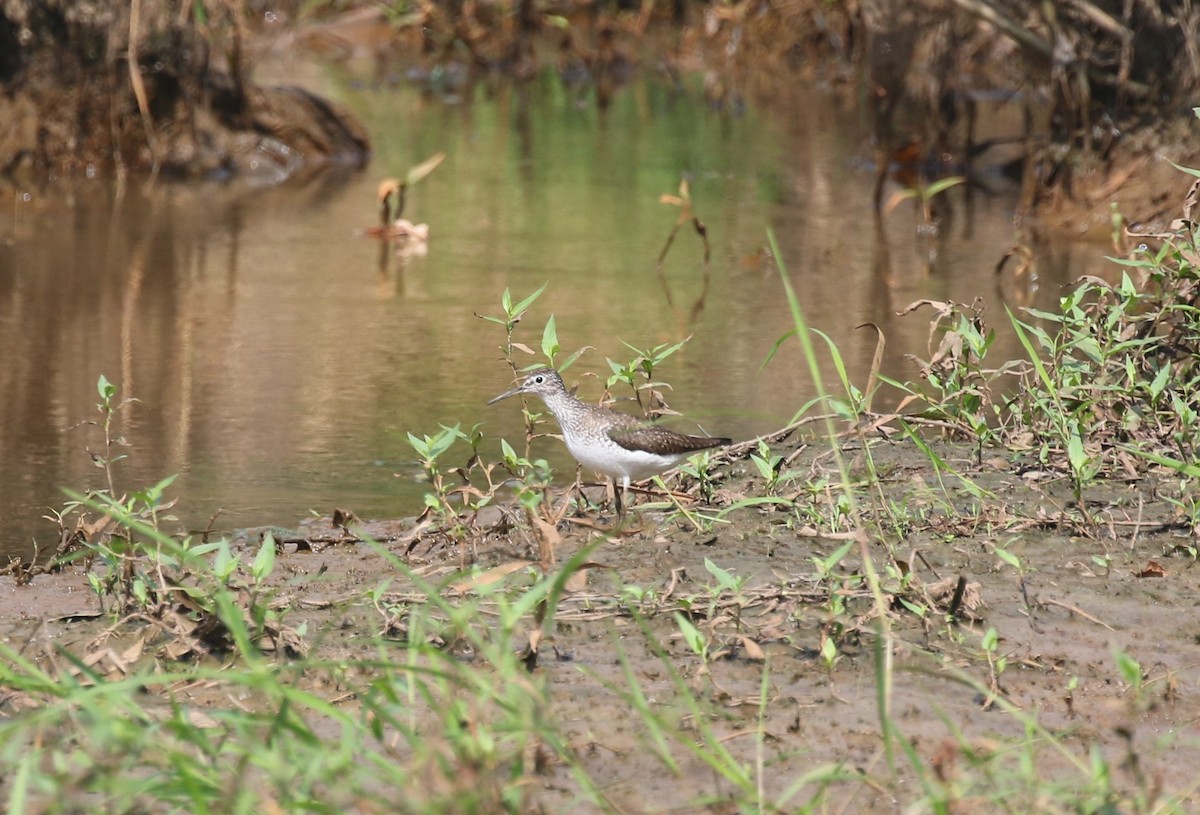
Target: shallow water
(279, 358)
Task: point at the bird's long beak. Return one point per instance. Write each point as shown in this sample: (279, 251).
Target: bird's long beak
(506, 394)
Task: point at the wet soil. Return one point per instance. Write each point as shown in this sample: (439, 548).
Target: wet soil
(1124, 581)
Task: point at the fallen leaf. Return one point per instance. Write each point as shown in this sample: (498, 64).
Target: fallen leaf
(576, 582)
(133, 652)
(753, 650)
(424, 168)
(1152, 569)
(548, 540)
(491, 576)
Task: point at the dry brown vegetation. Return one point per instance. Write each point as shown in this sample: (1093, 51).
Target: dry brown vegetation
(162, 85)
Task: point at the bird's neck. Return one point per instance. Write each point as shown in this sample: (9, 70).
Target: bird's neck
(561, 404)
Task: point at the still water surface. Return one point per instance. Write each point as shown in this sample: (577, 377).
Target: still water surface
(279, 358)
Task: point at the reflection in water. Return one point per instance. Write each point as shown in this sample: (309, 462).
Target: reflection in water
(279, 357)
(686, 218)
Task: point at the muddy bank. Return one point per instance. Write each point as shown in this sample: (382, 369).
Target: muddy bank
(1059, 622)
(154, 87)
(111, 88)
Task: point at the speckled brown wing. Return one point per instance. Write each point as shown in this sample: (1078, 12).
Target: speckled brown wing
(661, 441)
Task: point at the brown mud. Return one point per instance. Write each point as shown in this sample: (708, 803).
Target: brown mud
(1127, 582)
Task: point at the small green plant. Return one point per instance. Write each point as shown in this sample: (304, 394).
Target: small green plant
(1187, 504)
(638, 595)
(727, 582)
(513, 314)
(535, 476)
(128, 563)
(1008, 557)
(440, 501)
(997, 663)
(397, 188)
(769, 466)
(109, 408)
(829, 651)
(146, 573)
(700, 468)
(958, 391)
(145, 505)
(638, 373)
(924, 193)
(131, 564)
(836, 587)
(694, 638)
(1062, 398)
(1131, 673)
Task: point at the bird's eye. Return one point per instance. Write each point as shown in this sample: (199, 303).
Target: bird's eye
(537, 380)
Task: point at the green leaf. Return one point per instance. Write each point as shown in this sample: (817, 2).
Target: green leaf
(840, 366)
(1075, 453)
(152, 496)
(527, 302)
(223, 561)
(828, 651)
(506, 452)
(264, 561)
(1130, 670)
(1090, 348)
(1042, 315)
(942, 184)
(140, 591)
(787, 335)
(1008, 557)
(1033, 355)
(1181, 467)
(1127, 288)
(550, 347)
(834, 559)
(444, 440)
(764, 467)
(420, 445)
(1182, 169)
(20, 781)
(570, 360)
(1160, 382)
(661, 352)
(725, 578)
(691, 634)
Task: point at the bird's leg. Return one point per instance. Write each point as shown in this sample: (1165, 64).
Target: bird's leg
(581, 500)
(621, 496)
